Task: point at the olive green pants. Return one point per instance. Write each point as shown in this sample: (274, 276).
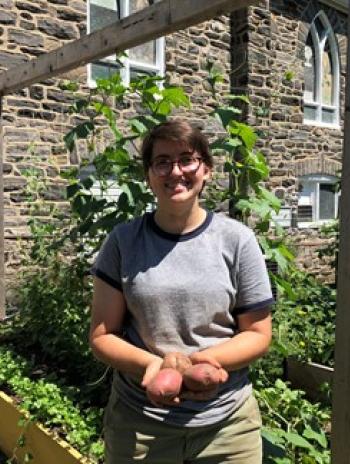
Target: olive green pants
(131, 438)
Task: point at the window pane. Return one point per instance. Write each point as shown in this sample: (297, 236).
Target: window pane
(310, 113)
(327, 201)
(145, 53)
(136, 72)
(309, 70)
(306, 201)
(137, 5)
(102, 70)
(305, 213)
(328, 116)
(327, 76)
(102, 13)
(319, 27)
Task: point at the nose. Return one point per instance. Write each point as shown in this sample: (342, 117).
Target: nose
(176, 169)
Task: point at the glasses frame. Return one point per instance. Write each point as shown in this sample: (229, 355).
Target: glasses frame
(177, 161)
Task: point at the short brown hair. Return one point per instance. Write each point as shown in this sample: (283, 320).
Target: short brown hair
(176, 130)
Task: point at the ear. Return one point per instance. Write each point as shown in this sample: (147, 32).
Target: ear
(147, 180)
(207, 172)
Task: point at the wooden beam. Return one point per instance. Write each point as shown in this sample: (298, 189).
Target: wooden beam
(341, 383)
(155, 21)
(2, 249)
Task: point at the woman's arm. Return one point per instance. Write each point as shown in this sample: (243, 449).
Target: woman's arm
(108, 311)
(251, 342)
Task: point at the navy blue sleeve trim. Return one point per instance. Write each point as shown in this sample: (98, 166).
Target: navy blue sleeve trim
(255, 306)
(101, 275)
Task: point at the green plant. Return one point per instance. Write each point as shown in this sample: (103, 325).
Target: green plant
(247, 170)
(95, 214)
(289, 75)
(294, 429)
(55, 294)
(306, 325)
(331, 232)
(53, 405)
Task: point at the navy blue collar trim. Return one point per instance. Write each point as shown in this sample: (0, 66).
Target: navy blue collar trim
(179, 237)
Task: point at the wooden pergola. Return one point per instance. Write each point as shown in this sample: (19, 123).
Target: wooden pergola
(157, 20)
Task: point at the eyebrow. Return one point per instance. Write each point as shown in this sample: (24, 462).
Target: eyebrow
(164, 155)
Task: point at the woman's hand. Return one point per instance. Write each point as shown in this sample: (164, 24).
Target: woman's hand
(201, 357)
(212, 391)
(151, 372)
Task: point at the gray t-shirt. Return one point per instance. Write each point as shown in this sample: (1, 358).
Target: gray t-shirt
(183, 293)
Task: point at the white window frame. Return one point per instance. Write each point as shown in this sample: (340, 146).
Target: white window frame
(316, 180)
(318, 48)
(128, 65)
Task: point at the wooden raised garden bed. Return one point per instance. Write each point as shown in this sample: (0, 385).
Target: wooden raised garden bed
(308, 377)
(39, 442)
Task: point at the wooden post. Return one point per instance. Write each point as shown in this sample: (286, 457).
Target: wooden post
(2, 249)
(341, 383)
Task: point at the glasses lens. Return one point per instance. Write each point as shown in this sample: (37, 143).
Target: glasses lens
(187, 164)
(162, 167)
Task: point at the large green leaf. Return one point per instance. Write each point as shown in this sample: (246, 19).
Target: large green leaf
(225, 114)
(320, 437)
(274, 202)
(242, 98)
(79, 132)
(228, 144)
(176, 96)
(245, 132)
(297, 440)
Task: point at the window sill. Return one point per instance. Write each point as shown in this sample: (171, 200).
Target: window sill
(314, 225)
(322, 124)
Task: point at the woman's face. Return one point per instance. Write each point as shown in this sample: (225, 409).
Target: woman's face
(177, 187)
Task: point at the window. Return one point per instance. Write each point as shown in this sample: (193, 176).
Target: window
(147, 58)
(318, 200)
(321, 74)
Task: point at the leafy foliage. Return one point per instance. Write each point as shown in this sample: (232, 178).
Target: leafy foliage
(294, 429)
(52, 404)
(306, 325)
(96, 213)
(55, 294)
(331, 231)
(247, 169)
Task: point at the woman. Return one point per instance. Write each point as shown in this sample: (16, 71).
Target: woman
(180, 279)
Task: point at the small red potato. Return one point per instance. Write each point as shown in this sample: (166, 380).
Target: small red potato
(177, 361)
(166, 385)
(201, 377)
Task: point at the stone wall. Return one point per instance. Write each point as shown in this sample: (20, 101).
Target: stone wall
(36, 119)
(275, 37)
(260, 51)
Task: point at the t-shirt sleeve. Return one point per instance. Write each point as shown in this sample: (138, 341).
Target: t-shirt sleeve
(107, 264)
(254, 289)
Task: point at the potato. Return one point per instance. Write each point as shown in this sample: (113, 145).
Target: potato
(177, 361)
(201, 377)
(166, 385)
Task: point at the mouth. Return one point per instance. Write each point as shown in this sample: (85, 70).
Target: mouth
(178, 186)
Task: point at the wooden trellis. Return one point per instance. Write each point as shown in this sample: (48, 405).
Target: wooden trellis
(157, 20)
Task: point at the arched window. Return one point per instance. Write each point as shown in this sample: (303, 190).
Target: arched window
(321, 74)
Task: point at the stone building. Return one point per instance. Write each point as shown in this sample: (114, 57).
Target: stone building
(287, 56)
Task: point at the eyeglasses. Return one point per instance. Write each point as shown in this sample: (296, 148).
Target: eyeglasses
(187, 164)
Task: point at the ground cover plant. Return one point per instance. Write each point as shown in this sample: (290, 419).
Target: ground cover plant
(55, 290)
